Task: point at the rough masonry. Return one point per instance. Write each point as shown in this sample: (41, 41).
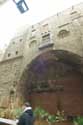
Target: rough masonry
(57, 38)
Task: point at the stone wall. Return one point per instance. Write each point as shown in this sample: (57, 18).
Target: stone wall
(9, 75)
(15, 48)
(63, 31)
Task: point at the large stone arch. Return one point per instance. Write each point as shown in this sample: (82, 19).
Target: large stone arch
(53, 80)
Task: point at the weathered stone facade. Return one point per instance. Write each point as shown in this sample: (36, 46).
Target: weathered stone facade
(61, 33)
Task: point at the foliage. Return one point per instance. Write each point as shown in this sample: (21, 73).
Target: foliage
(79, 120)
(60, 116)
(51, 118)
(40, 113)
(10, 107)
(10, 113)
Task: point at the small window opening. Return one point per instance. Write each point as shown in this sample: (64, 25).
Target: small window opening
(9, 54)
(13, 42)
(16, 52)
(20, 40)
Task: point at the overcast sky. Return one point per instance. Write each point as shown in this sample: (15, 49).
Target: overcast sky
(11, 20)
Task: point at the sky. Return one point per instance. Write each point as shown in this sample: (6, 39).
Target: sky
(12, 21)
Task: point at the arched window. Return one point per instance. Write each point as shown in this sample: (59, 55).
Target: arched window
(32, 43)
(63, 33)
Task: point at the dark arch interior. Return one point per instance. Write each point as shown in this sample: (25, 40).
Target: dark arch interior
(54, 81)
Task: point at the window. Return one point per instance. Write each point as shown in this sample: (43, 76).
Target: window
(46, 41)
(63, 33)
(45, 28)
(75, 15)
(74, 12)
(46, 38)
(13, 42)
(16, 52)
(21, 5)
(63, 25)
(9, 54)
(32, 43)
(20, 40)
(33, 30)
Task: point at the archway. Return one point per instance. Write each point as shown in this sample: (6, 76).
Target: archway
(53, 80)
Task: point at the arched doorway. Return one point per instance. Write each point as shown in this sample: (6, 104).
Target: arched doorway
(53, 81)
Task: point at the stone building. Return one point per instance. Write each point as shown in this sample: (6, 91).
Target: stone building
(45, 64)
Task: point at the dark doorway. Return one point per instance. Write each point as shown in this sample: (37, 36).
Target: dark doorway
(54, 82)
